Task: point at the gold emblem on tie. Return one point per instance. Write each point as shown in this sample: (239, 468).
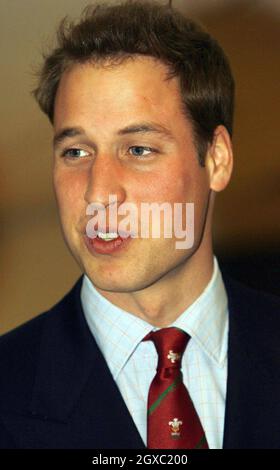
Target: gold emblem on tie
(175, 428)
(173, 356)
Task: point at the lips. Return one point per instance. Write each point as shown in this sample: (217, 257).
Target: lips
(97, 245)
(96, 238)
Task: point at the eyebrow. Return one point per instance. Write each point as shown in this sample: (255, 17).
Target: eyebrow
(138, 128)
(146, 127)
(66, 133)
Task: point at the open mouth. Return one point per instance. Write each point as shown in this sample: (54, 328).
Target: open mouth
(107, 242)
(108, 236)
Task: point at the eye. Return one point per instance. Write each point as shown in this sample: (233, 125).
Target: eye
(138, 151)
(75, 153)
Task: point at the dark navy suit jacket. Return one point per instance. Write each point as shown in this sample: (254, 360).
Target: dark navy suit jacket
(56, 390)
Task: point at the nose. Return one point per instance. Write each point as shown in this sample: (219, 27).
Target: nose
(105, 178)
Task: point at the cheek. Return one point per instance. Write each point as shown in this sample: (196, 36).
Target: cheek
(170, 183)
(69, 190)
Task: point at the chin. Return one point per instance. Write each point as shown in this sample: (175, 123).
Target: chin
(116, 283)
(109, 286)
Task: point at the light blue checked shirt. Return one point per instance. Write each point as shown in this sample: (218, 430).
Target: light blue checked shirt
(133, 362)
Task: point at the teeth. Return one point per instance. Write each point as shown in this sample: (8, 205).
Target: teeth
(108, 236)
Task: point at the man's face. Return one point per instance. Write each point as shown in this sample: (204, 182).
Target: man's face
(111, 152)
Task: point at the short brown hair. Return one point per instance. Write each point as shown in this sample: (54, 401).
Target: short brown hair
(115, 32)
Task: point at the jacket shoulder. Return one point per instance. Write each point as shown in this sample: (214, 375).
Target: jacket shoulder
(28, 331)
(253, 314)
(241, 294)
(20, 348)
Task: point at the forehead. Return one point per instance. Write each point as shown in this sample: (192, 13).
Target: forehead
(139, 85)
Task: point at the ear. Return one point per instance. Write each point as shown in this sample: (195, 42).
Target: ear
(219, 159)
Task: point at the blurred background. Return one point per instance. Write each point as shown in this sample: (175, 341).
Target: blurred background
(36, 267)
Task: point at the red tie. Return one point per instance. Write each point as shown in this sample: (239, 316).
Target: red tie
(172, 420)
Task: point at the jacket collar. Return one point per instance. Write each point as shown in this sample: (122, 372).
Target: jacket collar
(71, 366)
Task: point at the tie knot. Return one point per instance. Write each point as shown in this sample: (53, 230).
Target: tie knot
(170, 344)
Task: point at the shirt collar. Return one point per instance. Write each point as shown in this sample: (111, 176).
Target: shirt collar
(206, 319)
(118, 332)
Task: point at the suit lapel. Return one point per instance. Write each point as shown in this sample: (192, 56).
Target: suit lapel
(74, 384)
(253, 385)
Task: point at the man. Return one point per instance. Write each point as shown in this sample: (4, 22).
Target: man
(141, 102)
